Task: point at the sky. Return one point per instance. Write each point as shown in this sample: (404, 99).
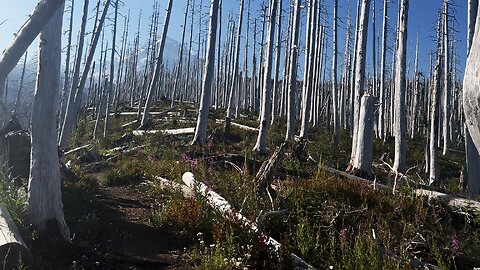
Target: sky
(422, 18)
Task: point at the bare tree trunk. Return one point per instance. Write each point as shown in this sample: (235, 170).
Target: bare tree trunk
(292, 73)
(179, 71)
(362, 165)
(158, 66)
(233, 86)
(472, 154)
(204, 106)
(66, 84)
(261, 145)
(44, 185)
(434, 121)
(446, 81)
(308, 70)
(275, 99)
(68, 124)
(336, 118)
(359, 71)
(112, 72)
(400, 127)
(381, 110)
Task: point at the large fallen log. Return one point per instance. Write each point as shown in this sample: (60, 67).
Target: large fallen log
(180, 131)
(12, 248)
(453, 201)
(224, 207)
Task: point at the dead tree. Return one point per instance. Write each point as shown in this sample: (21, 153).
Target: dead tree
(381, 110)
(292, 73)
(20, 87)
(24, 37)
(359, 90)
(204, 106)
(447, 95)
(473, 157)
(159, 62)
(261, 144)
(44, 185)
(275, 99)
(110, 92)
(400, 127)
(336, 118)
(234, 91)
(70, 120)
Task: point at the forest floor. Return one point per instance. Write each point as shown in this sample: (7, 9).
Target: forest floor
(121, 216)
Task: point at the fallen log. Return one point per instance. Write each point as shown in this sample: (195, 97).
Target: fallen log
(174, 186)
(180, 131)
(453, 201)
(224, 207)
(76, 149)
(12, 248)
(129, 123)
(244, 127)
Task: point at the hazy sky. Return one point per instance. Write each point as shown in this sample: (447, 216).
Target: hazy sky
(422, 17)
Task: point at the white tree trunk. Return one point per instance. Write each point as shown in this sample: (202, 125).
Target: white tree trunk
(156, 74)
(359, 71)
(336, 118)
(472, 155)
(261, 145)
(400, 127)
(202, 121)
(44, 186)
(292, 73)
(446, 81)
(381, 114)
(362, 165)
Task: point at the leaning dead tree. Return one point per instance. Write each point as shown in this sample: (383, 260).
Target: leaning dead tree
(159, 62)
(202, 121)
(24, 37)
(44, 185)
(71, 114)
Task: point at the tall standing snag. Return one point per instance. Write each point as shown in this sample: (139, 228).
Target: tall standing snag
(202, 121)
(44, 185)
(156, 74)
(400, 89)
(360, 51)
(261, 145)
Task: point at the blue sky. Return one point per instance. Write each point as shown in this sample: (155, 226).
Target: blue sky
(422, 18)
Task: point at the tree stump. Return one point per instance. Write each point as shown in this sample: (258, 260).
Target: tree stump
(264, 177)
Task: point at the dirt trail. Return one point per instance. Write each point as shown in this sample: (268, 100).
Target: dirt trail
(125, 228)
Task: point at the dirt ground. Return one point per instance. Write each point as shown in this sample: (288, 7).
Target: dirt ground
(116, 233)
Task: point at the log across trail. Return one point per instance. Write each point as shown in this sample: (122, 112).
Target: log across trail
(223, 206)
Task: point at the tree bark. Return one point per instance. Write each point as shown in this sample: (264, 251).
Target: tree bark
(261, 145)
(359, 71)
(204, 106)
(400, 128)
(158, 66)
(292, 73)
(44, 185)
